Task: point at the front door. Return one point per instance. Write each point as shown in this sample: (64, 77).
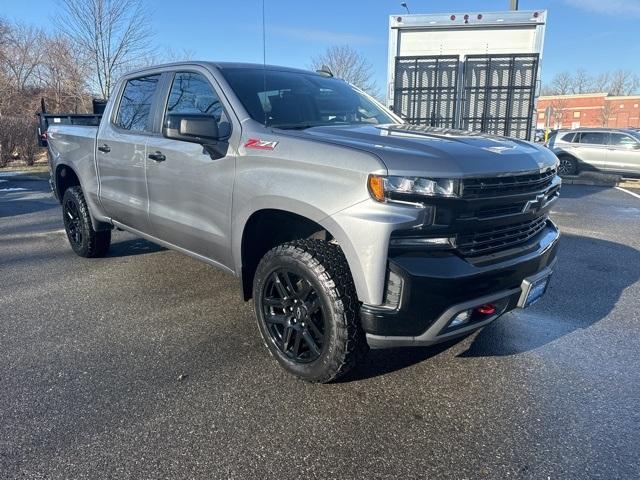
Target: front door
(592, 148)
(189, 191)
(121, 153)
(623, 154)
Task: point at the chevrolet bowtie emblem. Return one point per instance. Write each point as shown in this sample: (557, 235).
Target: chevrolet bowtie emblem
(534, 205)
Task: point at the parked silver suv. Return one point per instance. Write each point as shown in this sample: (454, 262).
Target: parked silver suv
(609, 149)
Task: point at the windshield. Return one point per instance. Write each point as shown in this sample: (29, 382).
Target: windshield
(298, 100)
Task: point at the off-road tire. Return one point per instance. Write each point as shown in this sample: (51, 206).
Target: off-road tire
(89, 243)
(325, 267)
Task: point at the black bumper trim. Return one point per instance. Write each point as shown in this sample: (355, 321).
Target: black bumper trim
(435, 282)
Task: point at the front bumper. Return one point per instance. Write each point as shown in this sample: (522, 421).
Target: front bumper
(438, 286)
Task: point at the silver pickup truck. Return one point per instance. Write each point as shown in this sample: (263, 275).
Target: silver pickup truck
(347, 227)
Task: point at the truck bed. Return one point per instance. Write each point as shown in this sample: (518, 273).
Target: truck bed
(48, 120)
(74, 142)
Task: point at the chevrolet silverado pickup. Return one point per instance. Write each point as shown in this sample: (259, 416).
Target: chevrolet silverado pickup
(348, 228)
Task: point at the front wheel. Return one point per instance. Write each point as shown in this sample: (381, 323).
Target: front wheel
(84, 240)
(567, 166)
(307, 310)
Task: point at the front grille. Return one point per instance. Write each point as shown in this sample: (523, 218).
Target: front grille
(492, 240)
(501, 211)
(496, 186)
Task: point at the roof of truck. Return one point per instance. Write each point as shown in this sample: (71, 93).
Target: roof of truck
(227, 66)
(237, 65)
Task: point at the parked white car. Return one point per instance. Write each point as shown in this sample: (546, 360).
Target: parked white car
(607, 149)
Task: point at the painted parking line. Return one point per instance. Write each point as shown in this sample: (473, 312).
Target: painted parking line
(627, 191)
(18, 236)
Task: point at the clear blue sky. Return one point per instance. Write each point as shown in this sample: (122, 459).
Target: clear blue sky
(597, 35)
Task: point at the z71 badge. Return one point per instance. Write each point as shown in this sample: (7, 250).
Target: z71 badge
(260, 144)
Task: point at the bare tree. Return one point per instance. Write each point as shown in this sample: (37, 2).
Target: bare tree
(23, 53)
(601, 82)
(581, 82)
(562, 83)
(348, 64)
(559, 106)
(605, 114)
(113, 33)
(623, 82)
(168, 55)
(63, 76)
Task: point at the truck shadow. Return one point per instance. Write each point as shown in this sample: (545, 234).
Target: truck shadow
(590, 276)
(581, 191)
(134, 246)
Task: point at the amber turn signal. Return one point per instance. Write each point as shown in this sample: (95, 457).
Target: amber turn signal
(376, 187)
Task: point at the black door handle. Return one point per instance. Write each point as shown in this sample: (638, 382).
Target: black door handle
(157, 156)
(104, 148)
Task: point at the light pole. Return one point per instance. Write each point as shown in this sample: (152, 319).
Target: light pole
(514, 4)
(404, 4)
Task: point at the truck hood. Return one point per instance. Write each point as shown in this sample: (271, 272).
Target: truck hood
(437, 152)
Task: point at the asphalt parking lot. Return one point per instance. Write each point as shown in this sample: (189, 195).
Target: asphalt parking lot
(147, 365)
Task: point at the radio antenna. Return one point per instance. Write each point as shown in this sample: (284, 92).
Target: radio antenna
(264, 64)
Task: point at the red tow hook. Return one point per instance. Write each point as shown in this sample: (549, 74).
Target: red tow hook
(486, 309)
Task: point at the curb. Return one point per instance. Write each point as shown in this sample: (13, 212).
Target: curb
(593, 179)
(22, 176)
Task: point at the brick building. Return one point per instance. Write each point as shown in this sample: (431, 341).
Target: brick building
(589, 110)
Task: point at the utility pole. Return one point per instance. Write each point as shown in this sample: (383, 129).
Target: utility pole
(514, 4)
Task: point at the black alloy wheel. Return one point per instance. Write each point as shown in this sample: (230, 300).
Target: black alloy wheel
(72, 223)
(83, 238)
(294, 316)
(308, 310)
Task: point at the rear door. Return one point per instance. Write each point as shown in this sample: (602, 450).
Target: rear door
(121, 152)
(623, 154)
(189, 191)
(591, 147)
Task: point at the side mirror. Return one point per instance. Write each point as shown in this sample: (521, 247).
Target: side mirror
(196, 128)
(200, 127)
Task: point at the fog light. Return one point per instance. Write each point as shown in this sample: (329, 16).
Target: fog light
(461, 319)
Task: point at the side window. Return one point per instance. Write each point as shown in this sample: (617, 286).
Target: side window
(594, 138)
(622, 140)
(568, 137)
(191, 93)
(135, 104)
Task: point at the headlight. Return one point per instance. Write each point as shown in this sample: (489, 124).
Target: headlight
(383, 188)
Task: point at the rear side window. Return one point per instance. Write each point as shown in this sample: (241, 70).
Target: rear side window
(191, 93)
(594, 138)
(622, 140)
(135, 104)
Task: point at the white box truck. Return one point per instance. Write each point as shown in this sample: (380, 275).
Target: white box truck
(471, 71)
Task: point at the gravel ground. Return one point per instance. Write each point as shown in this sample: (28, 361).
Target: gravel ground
(147, 365)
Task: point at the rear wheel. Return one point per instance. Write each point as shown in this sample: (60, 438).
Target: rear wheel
(84, 240)
(567, 166)
(307, 310)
